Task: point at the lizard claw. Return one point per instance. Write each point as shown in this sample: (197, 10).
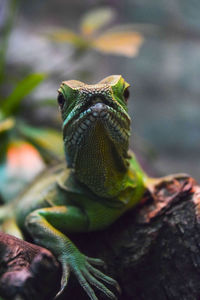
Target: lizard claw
(64, 279)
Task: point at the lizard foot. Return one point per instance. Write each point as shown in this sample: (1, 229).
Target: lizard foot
(87, 275)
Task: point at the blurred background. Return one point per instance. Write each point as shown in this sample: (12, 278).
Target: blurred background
(155, 45)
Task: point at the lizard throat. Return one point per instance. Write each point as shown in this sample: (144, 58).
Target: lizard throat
(96, 145)
(99, 164)
(77, 130)
(98, 151)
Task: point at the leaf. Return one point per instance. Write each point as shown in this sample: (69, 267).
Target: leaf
(7, 124)
(68, 36)
(23, 88)
(96, 19)
(119, 42)
(49, 140)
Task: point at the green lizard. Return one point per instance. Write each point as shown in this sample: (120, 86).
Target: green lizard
(101, 181)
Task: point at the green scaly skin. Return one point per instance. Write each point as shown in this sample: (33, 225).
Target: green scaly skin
(101, 181)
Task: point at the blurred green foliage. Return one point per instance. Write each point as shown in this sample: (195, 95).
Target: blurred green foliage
(13, 127)
(15, 130)
(16, 134)
(5, 33)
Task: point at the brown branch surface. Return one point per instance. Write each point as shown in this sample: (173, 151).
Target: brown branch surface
(27, 271)
(152, 251)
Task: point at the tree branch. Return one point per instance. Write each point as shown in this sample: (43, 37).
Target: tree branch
(27, 271)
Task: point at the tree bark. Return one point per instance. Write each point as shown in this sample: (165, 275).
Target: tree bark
(153, 251)
(27, 271)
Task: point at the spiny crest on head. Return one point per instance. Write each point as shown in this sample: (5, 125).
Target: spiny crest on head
(103, 84)
(113, 86)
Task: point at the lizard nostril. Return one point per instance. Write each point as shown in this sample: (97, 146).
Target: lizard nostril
(99, 106)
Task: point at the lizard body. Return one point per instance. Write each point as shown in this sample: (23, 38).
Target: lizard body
(100, 182)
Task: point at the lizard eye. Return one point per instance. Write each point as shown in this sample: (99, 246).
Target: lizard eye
(126, 94)
(61, 100)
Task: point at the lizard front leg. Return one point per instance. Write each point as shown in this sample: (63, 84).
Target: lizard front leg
(46, 225)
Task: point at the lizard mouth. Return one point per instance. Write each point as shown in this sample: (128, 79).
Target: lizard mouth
(115, 121)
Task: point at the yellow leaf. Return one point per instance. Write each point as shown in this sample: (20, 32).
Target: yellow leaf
(66, 36)
(7, 124)
(96, 19)
(124, 42)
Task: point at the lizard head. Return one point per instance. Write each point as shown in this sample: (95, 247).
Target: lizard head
(96, 125)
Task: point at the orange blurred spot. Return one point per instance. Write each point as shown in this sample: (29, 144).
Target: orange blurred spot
(24, 158)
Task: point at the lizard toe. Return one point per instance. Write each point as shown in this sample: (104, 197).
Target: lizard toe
(100, 286)
(100, 275)
(64, 279)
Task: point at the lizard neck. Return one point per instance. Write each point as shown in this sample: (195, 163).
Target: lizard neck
(100, 166)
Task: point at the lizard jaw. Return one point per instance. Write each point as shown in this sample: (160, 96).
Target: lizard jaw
(116, 126)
